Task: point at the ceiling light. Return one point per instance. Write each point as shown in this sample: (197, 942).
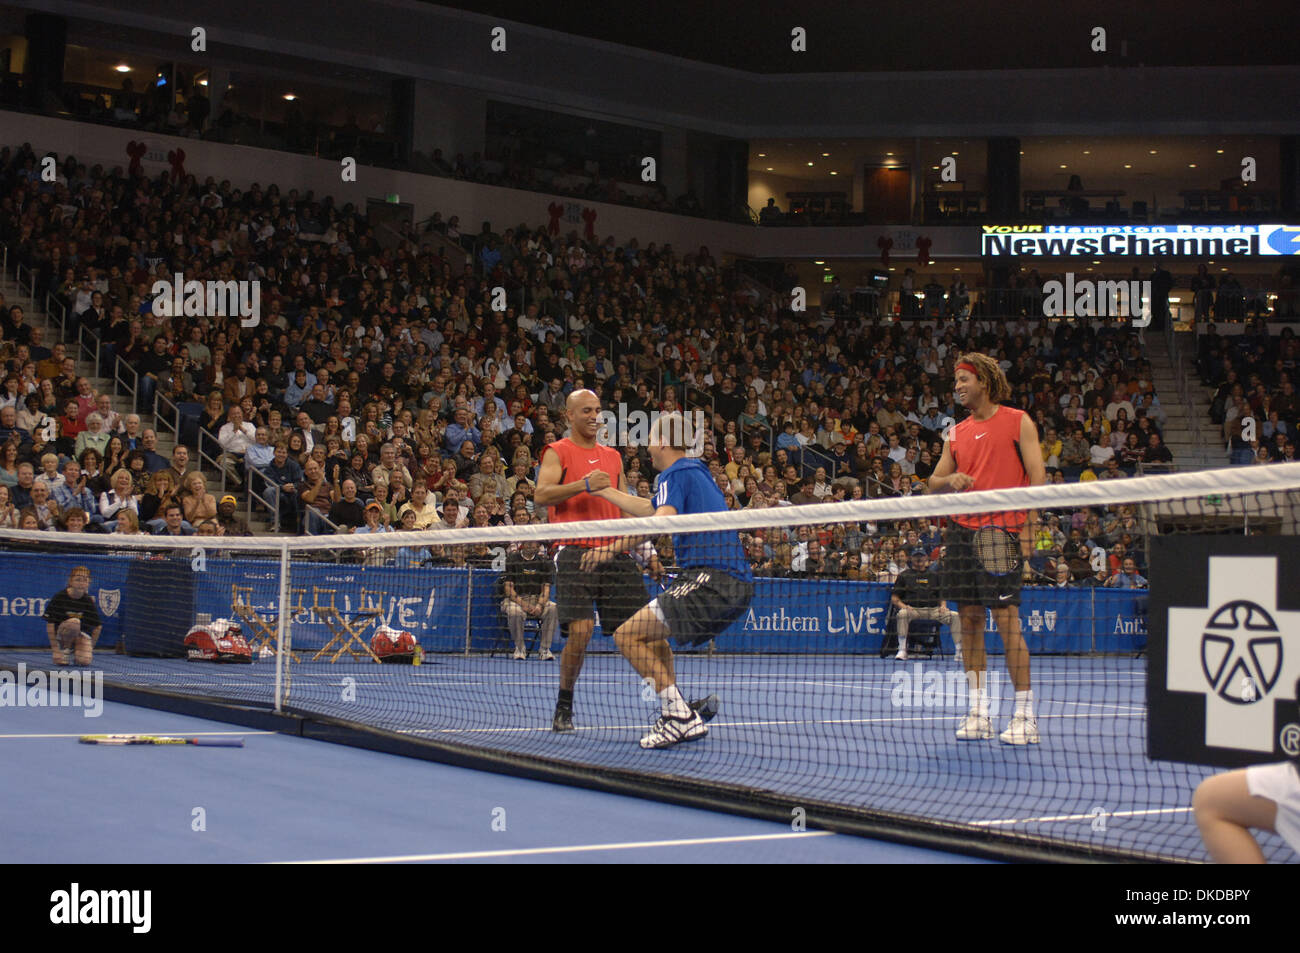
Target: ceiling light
(762, 155)
(890, 153)
(1153, 152)
(1127, 165)
(810, 163)
(769, 168)
(826, 155)
(1087, 152)
(290, 97)
(834, 173)
(123, 68)
(1219, 151)
(1191, 165)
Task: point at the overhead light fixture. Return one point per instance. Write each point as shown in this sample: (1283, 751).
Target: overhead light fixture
(123, 68)
(769, 168)
(826, 155)
(834, 173)
(203, 82)
(1062, 166)
(1087, 152)
(954, 152)
(821, 261)
(1127, 165)
(1191, 165)
(1154, 152)
(934, 168)
(810, 163)
(290, 97)
(890, 153)
(1219, 151)
(762, 155)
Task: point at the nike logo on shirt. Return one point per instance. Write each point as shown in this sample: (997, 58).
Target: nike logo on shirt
(980, 436)
(594, 461)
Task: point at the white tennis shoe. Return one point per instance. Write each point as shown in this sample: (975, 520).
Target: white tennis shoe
(669, 730)
(975, 728)
(1023, 730)
(520, 655)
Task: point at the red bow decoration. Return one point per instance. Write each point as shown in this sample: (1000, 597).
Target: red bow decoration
(884, 243)
(177, 158)
(589, 216)
(923, 250)
(555, 209)
(136, 151)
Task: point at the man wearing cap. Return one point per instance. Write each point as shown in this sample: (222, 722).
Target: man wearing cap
(917, 596)
(231, 524)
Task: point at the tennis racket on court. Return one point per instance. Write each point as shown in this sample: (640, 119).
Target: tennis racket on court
(160, 740)
(997, 551)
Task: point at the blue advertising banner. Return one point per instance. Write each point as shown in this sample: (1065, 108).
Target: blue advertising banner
(442, 606)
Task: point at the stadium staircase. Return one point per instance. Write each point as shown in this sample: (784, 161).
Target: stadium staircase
(1188, 432)
(259, 523)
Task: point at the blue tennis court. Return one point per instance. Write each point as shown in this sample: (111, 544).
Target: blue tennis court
(855, 730)
(282, 798)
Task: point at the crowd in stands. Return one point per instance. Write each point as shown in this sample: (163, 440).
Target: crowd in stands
(1253, 376)
(380, 391)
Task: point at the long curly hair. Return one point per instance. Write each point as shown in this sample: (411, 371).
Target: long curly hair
(989, 373)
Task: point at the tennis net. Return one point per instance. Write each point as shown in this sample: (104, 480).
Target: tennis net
(798, 702)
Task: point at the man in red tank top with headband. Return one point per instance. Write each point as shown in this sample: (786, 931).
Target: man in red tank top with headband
(572, 471)
(994, 448)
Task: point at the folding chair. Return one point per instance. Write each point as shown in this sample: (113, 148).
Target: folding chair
(346, 626)
(922, 636)
(504, 643)
(259, 620)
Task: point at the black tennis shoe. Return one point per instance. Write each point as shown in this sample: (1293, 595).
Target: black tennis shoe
(707, 707)
(563, 720)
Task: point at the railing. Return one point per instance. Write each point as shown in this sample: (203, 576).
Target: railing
(1180, 369)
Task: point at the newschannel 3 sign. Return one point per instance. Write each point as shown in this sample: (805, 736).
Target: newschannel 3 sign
(1138, 241)
(1224, 649)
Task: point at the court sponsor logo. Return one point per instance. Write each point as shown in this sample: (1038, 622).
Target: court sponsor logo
(1086, 298)
(631, 428)
(923, 687)
(840, 620)
(58, 689)
(1234, 652)
(19, 606)
(212, 299)
(109, 600)
(75, 906)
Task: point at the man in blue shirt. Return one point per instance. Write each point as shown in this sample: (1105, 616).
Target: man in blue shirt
(714, 588)
(1128, 576)
(463, 429)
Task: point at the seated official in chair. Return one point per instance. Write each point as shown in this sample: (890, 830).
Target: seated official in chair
(527, 585)
(917, 595)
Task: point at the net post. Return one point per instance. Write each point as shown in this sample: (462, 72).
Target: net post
(1092, 614)
(281, 626)
(469, 602)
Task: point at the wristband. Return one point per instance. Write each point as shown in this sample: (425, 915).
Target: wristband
(588, 482)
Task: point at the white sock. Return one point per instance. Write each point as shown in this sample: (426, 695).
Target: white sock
(1025, 703)
(979, 696)
(673, 703)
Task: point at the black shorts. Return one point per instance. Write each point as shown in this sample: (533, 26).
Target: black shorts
(702, 603)
(967, 583)
(616, 589)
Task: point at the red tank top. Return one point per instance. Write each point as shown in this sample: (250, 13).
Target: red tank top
(989, 451)
(575, 463)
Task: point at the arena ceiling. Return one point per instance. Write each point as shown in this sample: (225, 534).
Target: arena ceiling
(925, 35)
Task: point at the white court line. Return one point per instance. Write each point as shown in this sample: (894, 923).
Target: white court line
(573, 849)
(178, 733)
(1080, 817)
(946, 716)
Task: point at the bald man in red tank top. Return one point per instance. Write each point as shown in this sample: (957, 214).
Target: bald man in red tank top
(994, 448)
(573, 470)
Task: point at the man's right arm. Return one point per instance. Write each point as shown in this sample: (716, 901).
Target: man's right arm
(549, 488)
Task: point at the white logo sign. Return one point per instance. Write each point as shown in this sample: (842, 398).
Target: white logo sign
(1238, 650)
(109, 600)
